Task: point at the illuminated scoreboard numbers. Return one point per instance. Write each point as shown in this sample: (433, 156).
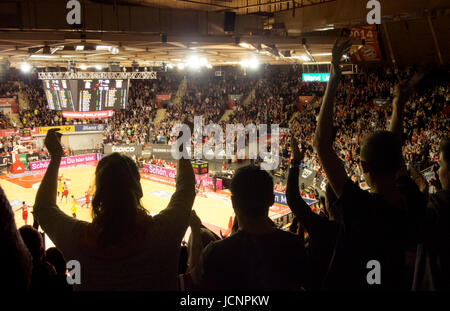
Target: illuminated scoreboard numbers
(111, 98)
(63, 99)
(204, 168)
(50, 101)
(200, 167)
(85, 100)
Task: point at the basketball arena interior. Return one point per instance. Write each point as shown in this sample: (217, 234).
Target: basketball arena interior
(107, 80)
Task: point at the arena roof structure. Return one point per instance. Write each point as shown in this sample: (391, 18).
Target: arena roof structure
(151, 33)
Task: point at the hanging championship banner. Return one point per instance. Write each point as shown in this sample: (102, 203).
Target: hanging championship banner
(371, 50)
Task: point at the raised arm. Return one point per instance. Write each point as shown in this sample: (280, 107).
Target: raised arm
(46, 194)
(402, 91)
(323, 138)
(179, 208)
(58, 225)
(183, 198)
(298, 206)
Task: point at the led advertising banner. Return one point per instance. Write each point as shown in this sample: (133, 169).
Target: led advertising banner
(315, 77)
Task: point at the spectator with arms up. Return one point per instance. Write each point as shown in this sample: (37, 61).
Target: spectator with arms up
(322, 230)
(433, 256)
(123, 248)
(258, 256)
(380, 225)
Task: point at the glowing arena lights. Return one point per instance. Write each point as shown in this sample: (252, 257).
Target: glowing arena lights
(83, 67)
(244, 63)
(98, 67)
(251, 63)
(193, 62)
(170, 66)
(180, 66)
(25, 67)
(114, 50)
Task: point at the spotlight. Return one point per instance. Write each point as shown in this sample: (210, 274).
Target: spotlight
(98, 67)
(114, 50)
(25, 67)
(253, 63)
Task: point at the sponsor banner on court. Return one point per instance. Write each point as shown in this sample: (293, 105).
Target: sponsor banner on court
(33, 157)
(161, 151)
(171, 173)
(125, 149)
(160, 171)
(62, 129)
(280, 198)
(66, 161)
(10, 132)
(25, 132)
(88, 114)
(209, 182)
(90, 128)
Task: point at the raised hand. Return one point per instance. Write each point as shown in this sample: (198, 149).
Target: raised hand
(297, 155)
(404, 88)
(419, 179)
(53, 143)
(341, 46)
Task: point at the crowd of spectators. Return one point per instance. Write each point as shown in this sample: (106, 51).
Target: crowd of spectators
(362, 106)
(393, 238)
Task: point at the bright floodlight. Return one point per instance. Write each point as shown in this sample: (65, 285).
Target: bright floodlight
(170, 66)
(98, 67)
(253, 63)
(193, 62)
(180, 66)
(244, 63)
(114, 50)
(83, 67)
(25, 67)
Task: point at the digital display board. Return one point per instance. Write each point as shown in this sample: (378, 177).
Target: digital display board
(86, 95)
(200, 167)
(315, 77)
(99, 95)
(60, 94)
